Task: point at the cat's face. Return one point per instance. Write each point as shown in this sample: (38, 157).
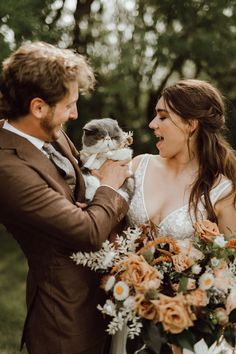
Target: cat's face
(102, 135)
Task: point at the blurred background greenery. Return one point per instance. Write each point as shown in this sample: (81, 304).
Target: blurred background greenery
(136, 47)
(12, 294)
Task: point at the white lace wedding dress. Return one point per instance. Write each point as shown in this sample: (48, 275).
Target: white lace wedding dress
(178, 224)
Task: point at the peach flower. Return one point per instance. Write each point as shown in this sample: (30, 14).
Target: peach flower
(174, 314)
(223, 276)
(197, 297)
(231, 244)
(181, 262)
(140, 274)
(146, 308)
(187, 248)
(206, 230)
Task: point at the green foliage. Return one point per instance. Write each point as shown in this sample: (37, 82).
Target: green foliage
(12, 294)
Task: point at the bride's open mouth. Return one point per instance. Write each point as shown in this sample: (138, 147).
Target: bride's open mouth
(160, 139)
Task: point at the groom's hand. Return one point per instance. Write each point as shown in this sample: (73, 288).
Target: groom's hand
(113, 173)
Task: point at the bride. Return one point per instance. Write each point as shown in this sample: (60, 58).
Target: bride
(194, 175)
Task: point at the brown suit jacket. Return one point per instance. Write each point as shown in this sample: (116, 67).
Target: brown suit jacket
(38, 208)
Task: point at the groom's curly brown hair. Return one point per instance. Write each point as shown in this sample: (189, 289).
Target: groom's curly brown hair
(41, 70)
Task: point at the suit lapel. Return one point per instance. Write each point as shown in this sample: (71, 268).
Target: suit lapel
(37, 160)
(61, 145)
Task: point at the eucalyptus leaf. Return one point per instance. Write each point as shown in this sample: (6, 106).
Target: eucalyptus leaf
(230, 335)
(186, 339)
(133, 345)
(152, 336)
(232, 316)
(183, 284)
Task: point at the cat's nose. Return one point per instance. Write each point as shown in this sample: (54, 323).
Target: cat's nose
(107, 138)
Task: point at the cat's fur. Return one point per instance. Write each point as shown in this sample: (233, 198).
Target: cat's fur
(103, 139)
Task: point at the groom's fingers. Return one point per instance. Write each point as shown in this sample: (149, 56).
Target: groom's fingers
(123, 162)
(81, 205)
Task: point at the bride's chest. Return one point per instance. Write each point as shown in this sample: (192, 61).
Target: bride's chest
(167, 197)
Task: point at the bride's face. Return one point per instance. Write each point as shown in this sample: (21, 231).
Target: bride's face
(172, 132)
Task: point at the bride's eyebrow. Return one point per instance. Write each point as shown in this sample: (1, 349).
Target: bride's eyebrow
(161, 110)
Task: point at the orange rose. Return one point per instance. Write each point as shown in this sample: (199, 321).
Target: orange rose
(231, 244)
(181, 262)
(206, 230)
(146, 308)
(187, 249)
(197, 297)
(174, 315)
(140, 274)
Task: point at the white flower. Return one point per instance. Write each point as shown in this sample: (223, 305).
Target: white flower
(108, 258)
(196, 269)
(129, 302)
(109, 283)
(220, 241)
(121, 291)
(215, 261)
(108, 308)
(206, 281)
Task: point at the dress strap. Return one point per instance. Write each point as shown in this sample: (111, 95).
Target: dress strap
(216, 192)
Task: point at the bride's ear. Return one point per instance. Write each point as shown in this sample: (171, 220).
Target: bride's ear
(193, 125)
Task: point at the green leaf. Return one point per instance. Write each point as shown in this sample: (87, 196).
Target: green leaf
(232, 316)
(152, 336)
(186, 339)
(183, 285)
(133, 345)
(230, 335)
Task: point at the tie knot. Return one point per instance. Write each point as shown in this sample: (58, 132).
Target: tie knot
(62, 163)
(48, 148)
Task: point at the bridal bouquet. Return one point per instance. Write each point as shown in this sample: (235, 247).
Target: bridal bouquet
(168, 291)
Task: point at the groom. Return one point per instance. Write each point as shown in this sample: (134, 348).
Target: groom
(42, 194)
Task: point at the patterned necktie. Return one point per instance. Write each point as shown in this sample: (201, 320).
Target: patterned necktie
(64, 165)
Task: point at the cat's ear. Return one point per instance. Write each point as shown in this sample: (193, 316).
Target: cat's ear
(90, 130)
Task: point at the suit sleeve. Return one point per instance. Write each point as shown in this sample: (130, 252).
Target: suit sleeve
(29, 203)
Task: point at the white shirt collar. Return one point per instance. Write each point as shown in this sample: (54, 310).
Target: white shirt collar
(38, 143)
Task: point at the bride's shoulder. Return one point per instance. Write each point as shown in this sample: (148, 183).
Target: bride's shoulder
(150, 159)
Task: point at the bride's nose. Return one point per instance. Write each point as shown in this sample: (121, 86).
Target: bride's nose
(153, 124)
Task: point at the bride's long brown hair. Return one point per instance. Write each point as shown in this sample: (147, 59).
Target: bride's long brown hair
(199, 100)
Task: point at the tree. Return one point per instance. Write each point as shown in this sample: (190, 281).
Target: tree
(136, 47)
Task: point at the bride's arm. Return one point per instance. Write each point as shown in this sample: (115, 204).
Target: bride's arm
(226, 213)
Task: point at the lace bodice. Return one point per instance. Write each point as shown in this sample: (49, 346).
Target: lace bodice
(179, 222)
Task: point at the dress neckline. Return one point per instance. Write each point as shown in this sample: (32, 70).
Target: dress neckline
(171, 213)
(222, 182)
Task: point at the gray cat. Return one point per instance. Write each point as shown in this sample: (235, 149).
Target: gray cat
(103, 139)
